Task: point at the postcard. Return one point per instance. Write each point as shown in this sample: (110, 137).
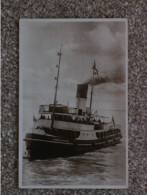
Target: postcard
(73, 113)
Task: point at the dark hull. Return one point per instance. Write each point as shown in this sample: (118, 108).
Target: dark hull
(41, 147)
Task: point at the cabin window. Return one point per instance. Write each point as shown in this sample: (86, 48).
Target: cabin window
(101, 135)
(98, 135)
(80, 111)
(42, 116)
(68, 118)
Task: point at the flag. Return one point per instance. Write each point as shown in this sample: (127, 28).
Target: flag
(95, 112)
(34, 118)
(59, 53)
(95, 70)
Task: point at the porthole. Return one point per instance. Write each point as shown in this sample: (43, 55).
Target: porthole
(98, 135)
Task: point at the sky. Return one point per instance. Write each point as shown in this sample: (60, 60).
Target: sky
(82, 43)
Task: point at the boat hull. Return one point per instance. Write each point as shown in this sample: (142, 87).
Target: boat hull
(41, 147)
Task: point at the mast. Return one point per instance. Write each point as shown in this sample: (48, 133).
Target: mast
(95, 72)
(56, 87)
(91, 97)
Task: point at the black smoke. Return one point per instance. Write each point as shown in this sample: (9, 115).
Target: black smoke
(117, 76)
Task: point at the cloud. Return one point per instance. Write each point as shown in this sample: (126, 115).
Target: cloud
(82, 43)
(101, 40)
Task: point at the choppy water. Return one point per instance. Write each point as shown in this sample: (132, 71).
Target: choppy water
(106, 166)
(101, 167)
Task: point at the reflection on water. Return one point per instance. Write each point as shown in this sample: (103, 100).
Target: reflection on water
(102, 167)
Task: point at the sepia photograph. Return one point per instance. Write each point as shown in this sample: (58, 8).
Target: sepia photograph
(73, 103)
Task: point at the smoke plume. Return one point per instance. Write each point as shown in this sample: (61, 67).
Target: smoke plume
(117, 77)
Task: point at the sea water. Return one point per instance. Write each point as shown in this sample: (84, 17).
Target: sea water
(106, 166)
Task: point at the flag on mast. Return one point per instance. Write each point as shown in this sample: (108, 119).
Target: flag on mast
(95, 70)
(59, 53)
(34, 118)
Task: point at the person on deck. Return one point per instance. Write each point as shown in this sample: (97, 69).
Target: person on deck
(99, 121)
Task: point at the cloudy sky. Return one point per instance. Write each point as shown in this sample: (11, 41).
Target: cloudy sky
(82, 43)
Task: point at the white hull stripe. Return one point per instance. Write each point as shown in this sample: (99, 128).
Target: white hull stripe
(58, 142)
(40, 140)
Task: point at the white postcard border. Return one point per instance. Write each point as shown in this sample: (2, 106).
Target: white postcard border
(21, 21)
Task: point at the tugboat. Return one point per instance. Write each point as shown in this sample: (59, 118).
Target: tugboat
(64, 131)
